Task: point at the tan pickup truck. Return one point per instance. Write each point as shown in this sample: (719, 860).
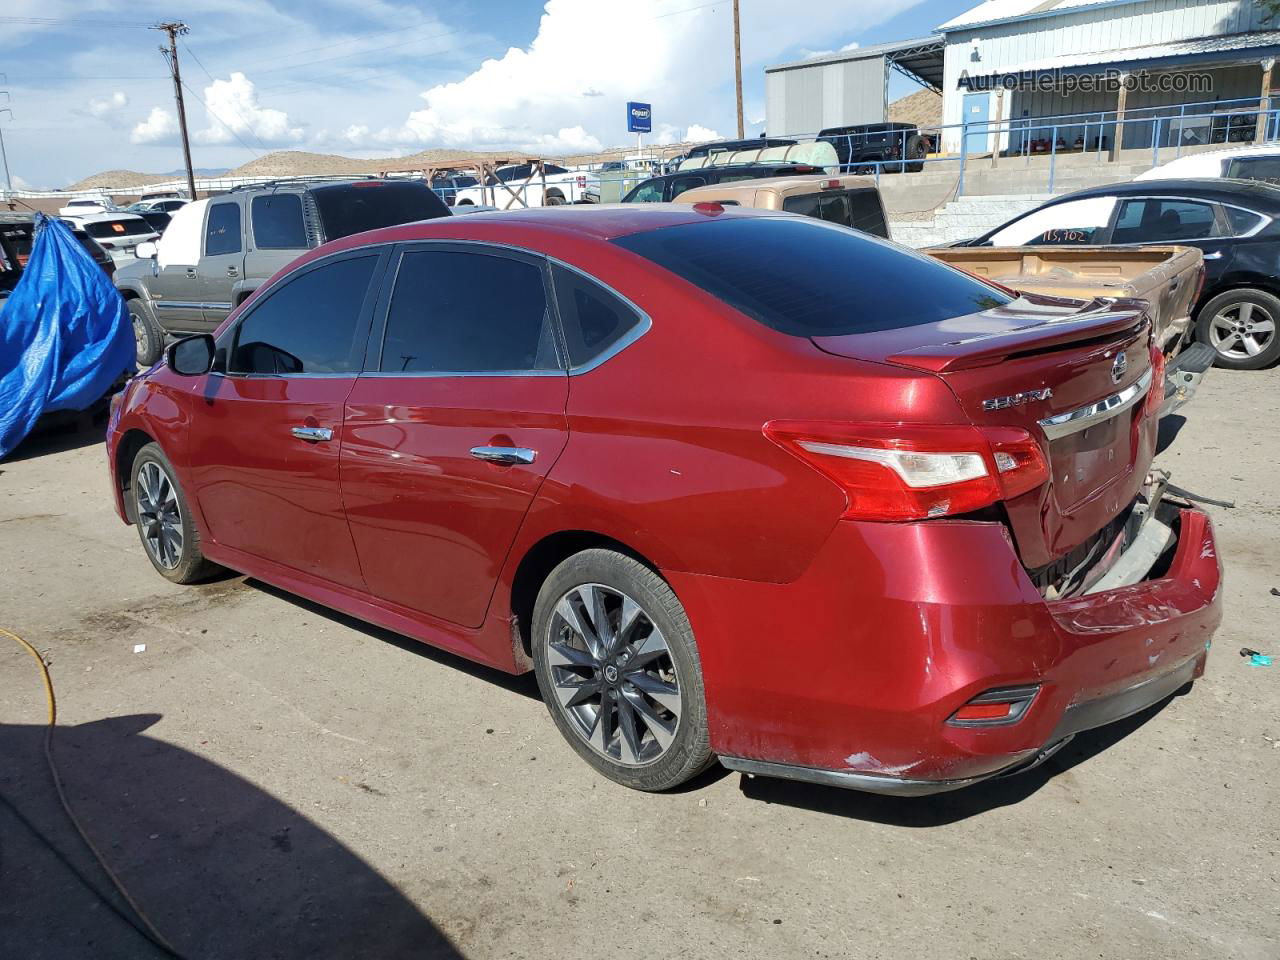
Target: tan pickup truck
(1168, 278)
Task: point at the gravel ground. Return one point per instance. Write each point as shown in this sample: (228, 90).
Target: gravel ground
(274, 780)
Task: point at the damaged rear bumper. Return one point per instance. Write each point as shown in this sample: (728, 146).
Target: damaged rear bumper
(1077, 718)
(853, 674)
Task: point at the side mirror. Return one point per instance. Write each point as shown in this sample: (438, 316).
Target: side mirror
(146, 250)
(191, 356)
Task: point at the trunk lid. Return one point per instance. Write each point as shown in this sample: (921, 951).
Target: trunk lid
(1074, 375)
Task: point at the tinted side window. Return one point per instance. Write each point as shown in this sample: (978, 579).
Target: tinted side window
(593, 319)
(222, 234)
(650, 192)
(681, 184)
(311, 324)
(1254, 168)
(1162, 221)
(277, 222)
(1242, 221)
(457, 312)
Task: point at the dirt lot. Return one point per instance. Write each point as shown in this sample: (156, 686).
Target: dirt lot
(273, 780)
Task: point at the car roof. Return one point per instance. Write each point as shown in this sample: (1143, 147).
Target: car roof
(801, 183)
(109, 215)
(1254, 192)
(598, 221)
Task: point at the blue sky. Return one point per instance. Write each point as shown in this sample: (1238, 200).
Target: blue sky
(89, 90)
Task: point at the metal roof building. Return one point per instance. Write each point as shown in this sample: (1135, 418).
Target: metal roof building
(1014, 76)
(1024, 51)
(847, 87)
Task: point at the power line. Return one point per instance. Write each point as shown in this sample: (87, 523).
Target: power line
(359, 53)
(247, 124)
(227, 126)
(58, 21)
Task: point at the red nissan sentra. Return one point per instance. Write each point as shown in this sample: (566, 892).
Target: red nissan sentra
(735, 485)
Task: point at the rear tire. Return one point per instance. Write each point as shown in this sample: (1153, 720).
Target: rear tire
(916, 153)
(554, 199)
(619, 670)
(163, 517)
(146, 333)
(1243, 327)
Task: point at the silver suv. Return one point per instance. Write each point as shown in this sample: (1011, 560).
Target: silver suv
(215, 252)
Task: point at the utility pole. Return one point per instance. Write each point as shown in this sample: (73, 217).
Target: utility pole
(8, 180)
(174, 30)
(737, 63)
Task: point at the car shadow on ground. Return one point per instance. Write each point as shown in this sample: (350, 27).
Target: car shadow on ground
(524, 684)
(1170, 427)
(944, 808)
(222, 868)
(78, 431)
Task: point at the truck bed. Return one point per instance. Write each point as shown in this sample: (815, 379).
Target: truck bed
(1167, 277)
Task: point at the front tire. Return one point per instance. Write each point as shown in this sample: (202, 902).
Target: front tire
(165, 526)
(619, 670)
(146, 333)
(1242, 327)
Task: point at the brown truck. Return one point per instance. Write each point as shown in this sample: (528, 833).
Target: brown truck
(1168, 278)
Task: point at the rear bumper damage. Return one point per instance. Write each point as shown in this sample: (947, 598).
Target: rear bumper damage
(895, 627)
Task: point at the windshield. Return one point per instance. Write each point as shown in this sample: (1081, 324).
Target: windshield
(811, 279)
(357, 207)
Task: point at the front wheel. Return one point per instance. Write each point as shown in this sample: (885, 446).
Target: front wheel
(146, 334)
(1240, 325)
(165, 525)
(619, 670)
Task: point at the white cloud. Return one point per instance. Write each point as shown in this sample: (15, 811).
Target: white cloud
(108, 108)
(232, 108)
(698, 133)
(19, 183)
(161, 126)
(589, 58)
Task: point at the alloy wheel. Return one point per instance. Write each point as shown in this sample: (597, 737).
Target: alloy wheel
(613, 674)
(139, 337)
(1242, 330)
(159, 515)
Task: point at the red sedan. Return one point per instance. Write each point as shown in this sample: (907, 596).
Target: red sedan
(735, 485)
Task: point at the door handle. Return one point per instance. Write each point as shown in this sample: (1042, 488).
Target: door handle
(191, 274)
(314, 434)
(232, 272)
(504, 454)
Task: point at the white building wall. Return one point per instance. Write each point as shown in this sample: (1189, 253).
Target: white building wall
(1088, 31)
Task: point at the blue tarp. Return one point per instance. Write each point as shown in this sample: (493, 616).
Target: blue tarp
(65, 334)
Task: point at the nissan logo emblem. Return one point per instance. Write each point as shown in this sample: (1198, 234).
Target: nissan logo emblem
(1119, 367)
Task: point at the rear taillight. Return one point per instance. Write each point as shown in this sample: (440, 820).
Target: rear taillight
(1155, 395)
(906, 471)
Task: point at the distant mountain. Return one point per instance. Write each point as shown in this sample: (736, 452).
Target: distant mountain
(199, 172)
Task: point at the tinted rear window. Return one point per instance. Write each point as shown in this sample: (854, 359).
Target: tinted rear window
(810, 279)
(349, 209)
(110, 229)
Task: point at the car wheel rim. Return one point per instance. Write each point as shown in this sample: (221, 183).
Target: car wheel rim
(1242, 330)
(613, 675)
(139, 335)
(159, 515)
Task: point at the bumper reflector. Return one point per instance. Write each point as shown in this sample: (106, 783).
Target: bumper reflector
(995, 708)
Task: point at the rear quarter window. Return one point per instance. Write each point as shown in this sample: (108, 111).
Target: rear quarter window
(807, 278)
(354, 208)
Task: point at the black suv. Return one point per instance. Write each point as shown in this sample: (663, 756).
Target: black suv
(666, 188)
(730, 146)
(869, 143)
(216, 252)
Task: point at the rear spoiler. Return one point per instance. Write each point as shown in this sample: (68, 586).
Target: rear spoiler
(1102, 317)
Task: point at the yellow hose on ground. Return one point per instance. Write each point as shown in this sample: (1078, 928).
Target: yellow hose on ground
(52, 702)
